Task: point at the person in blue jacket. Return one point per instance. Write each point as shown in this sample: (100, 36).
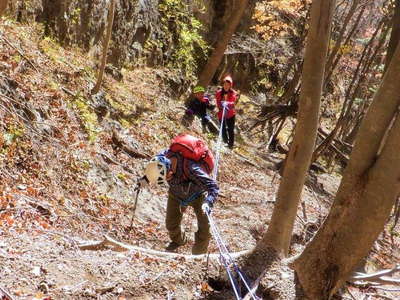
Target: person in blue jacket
(199, 105)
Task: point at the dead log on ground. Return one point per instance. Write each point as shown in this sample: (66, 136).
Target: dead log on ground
(120, 142)
(110, 243)
(378, 278)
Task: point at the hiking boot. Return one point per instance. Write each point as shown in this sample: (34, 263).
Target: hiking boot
(173, 246)
(199, 249)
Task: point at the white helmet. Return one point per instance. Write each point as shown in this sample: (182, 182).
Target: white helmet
(156, 170)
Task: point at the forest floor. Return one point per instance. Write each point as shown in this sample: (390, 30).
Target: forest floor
(69, 162)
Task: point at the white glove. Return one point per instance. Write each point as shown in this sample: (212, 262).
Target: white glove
(205, 207)
(224, 104)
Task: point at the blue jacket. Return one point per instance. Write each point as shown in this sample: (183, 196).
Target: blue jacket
(199, 108)
(190, 185)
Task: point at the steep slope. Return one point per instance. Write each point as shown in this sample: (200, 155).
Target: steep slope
(69, 163)
(64, 179)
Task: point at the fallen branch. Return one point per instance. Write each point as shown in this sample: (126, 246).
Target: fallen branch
(365, 284)
(341, 143)
(343, 156)
(58, 234)
(376, 279)
(69, 92)
(387, 290)
(387, 281)
(75, 95)
(5, 294)
(109, 159)
(246, 160)
(370, 277)
(380, 296)
(4, 254)
(155, 278)
(119, 141)
(110, 243)
(350, 293)
(73, 287)
(336, 150)
(19, 52)
(43, 208)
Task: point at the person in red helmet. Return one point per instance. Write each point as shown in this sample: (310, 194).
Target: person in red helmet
(226, 98)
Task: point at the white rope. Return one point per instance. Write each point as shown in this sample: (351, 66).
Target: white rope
(219, 142)
(223, 258)
(226, 258)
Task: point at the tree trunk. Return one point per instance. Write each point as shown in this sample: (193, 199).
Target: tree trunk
(280, 229)
(346, 42)
(213, 62)
(365, 198)
(336, 48)
(290, 89)
(395, 35)
(345, 116)
(3, 6)
(110, 21)
(364, 78)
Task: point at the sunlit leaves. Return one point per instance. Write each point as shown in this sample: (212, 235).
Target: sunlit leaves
(269, 20)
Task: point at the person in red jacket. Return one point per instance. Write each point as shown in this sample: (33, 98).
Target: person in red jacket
(226, 98)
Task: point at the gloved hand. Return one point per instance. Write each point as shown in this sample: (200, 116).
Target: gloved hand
(189, 111)
(224, 104)
(207, 118)
(205, 207)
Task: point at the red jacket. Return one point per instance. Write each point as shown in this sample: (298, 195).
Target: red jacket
(230, 97)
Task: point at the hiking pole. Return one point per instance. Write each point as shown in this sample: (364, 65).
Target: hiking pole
(137, 189)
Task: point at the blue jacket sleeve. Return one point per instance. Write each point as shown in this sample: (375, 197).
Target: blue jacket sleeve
(192, 105)
(201, 178)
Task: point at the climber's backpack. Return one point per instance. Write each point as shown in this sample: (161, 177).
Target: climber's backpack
(193, 148)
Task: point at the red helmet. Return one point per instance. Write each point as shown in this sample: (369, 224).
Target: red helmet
(228, 79)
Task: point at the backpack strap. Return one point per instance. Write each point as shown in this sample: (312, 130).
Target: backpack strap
(185, 167)
(185, 163)
(203, 165)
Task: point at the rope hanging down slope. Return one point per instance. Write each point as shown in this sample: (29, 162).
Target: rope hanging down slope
(225, 257)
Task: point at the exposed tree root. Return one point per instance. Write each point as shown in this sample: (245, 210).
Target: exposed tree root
(268, 274)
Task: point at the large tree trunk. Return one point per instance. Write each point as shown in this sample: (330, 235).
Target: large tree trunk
(395, 35)
(365, 198)
(105, 47)
(280, 229)
(3, 6)
(215, 59)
